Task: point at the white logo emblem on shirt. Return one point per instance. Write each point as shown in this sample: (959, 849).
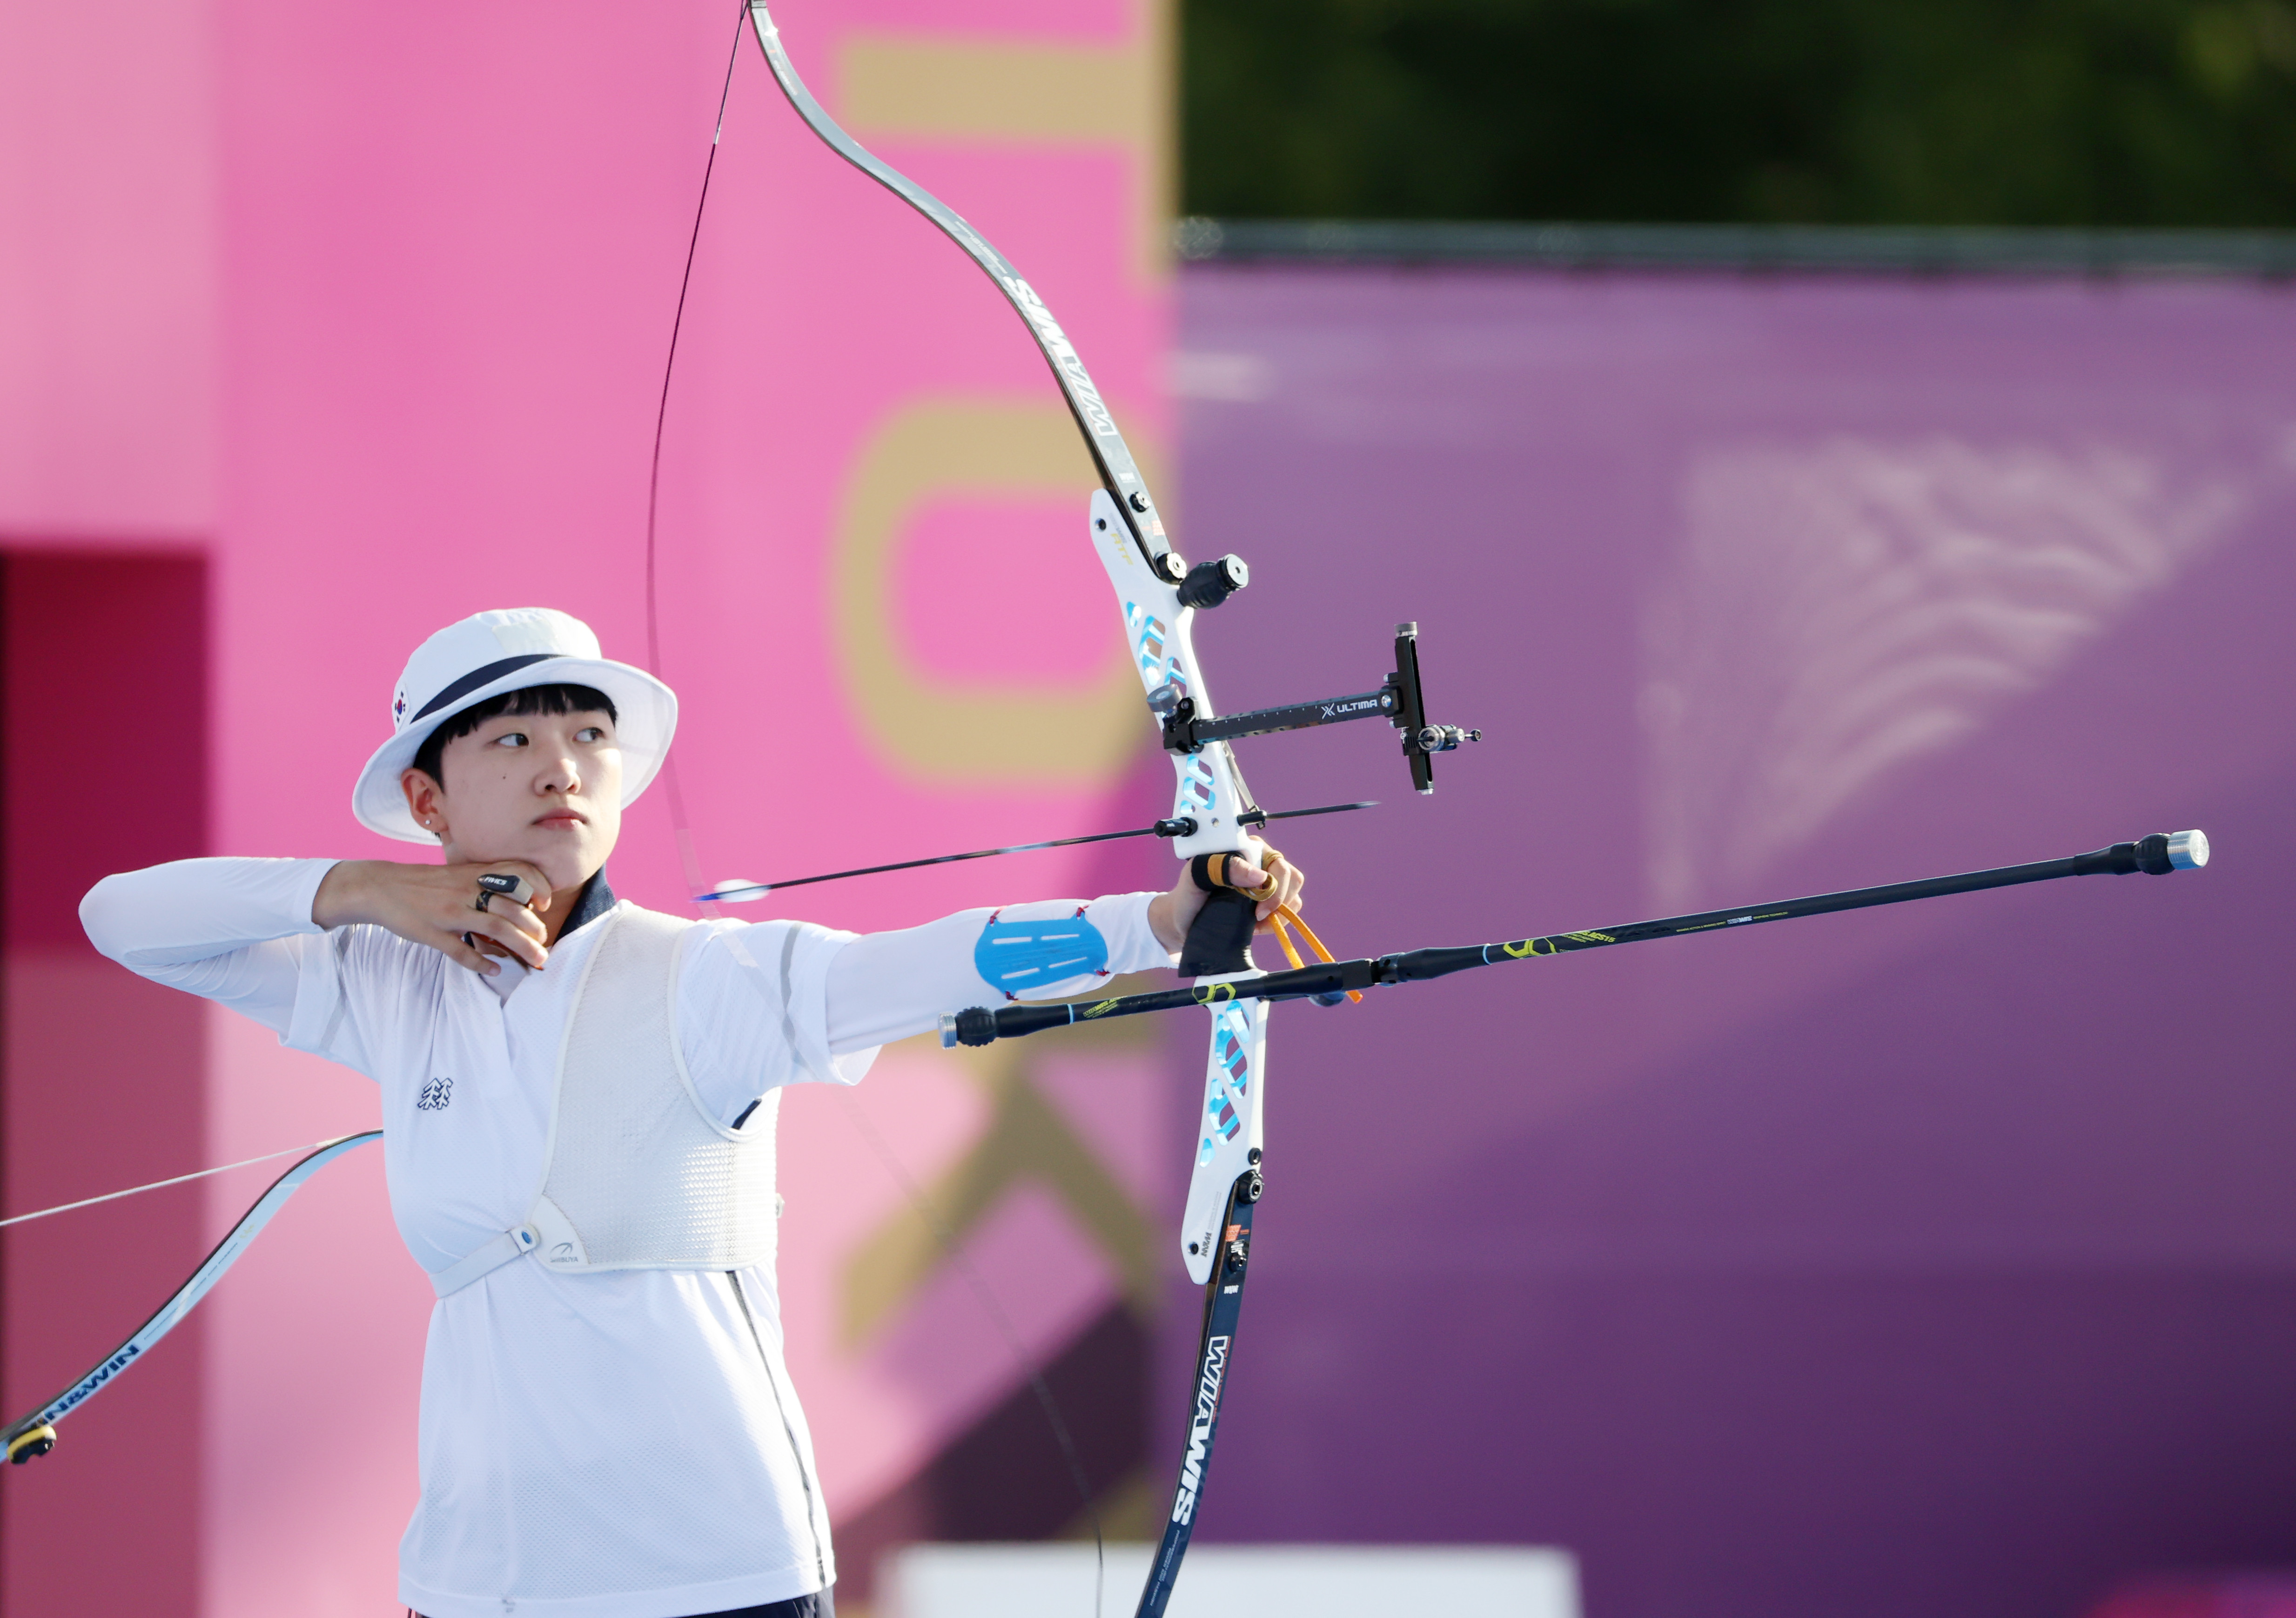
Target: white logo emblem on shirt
(435, 1096)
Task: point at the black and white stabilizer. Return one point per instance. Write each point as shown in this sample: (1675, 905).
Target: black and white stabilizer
(2161, 854)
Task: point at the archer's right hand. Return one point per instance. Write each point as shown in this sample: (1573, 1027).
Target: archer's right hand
(440, 907)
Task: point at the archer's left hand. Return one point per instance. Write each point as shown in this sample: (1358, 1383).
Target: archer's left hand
(1171, 913)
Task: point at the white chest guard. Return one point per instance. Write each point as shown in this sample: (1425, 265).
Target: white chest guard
(637, 1176)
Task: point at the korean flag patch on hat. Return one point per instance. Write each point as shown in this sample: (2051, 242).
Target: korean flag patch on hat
(486, 655)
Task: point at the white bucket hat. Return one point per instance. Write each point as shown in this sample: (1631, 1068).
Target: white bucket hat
(485, 655)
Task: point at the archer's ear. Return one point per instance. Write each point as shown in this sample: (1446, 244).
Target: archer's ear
(426, 800)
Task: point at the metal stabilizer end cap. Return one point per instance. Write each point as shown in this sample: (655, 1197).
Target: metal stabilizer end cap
(2188, 850)
(974, 1025)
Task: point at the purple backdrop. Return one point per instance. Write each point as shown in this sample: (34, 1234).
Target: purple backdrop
(1932, 1260)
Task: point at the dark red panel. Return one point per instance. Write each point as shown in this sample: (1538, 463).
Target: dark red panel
(103, 702)
(106, 715)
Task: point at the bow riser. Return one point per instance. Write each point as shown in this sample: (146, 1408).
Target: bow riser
(1227, 1129)
(1160, 632)
(1159, 629)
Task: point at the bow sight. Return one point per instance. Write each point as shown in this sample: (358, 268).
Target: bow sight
(1399, 699)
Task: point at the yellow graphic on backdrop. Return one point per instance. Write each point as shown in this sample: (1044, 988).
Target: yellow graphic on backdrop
(978, 732)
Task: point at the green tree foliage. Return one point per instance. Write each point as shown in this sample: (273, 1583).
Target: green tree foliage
(2085, 112)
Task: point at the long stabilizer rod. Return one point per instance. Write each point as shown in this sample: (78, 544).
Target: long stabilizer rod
(2157, 855)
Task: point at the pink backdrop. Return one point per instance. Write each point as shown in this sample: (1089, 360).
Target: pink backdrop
(367, 311)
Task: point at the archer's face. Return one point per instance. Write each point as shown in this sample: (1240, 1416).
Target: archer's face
(542, 787)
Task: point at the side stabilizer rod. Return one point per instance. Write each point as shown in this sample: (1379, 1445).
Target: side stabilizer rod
(2159, 855)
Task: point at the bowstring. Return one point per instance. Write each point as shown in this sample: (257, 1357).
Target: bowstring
(161, 1184)
(687, 857)
(690, 860)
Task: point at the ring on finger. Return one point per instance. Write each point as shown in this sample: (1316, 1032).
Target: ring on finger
(480, 903)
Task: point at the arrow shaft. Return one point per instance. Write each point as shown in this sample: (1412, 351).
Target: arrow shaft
(742, 892)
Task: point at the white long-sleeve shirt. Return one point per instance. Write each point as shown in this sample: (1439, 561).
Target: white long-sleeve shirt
(622, 1444)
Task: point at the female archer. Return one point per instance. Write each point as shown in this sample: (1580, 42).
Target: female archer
(579, 1099)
